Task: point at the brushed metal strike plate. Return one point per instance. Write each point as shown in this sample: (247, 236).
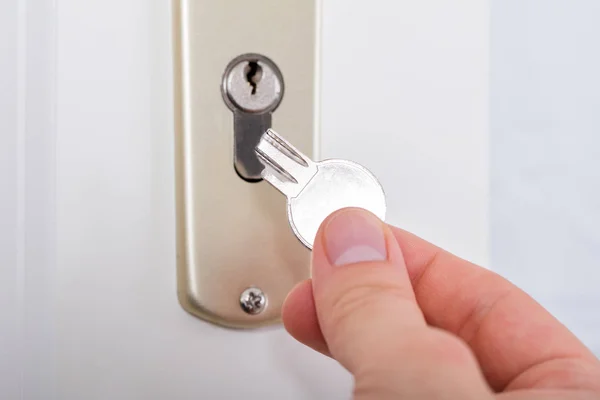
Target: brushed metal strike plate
(234, 241)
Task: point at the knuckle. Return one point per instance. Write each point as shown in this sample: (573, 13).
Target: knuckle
(377, 386)
(446, 348)
(365, 300)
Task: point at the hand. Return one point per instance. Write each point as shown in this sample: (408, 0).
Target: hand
(411, 321)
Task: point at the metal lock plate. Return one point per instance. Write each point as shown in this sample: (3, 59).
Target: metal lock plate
(234, 243)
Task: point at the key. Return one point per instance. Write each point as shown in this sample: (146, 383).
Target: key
(316, 189)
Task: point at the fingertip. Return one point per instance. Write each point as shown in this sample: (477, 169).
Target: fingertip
(354, 235)
(351, 237)
(295, 304)
(300, 317)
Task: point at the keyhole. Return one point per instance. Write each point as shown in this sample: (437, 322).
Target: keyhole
(253, 73)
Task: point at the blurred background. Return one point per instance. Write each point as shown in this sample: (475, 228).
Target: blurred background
(545, 155)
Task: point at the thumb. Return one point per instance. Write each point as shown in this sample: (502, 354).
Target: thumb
(370, 319)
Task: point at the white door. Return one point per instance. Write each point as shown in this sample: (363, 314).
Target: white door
(87, 211)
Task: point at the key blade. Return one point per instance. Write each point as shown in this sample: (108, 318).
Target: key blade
(286, 168)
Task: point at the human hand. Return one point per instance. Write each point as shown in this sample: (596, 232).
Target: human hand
(411, 321)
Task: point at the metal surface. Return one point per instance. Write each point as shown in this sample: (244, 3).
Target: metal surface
(252, 88)
(252, 83)
(316, 189)
(248, 128)
(232, 234)
(253, 301)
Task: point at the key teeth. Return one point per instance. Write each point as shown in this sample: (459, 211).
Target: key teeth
(275, 165)
(286, 168)
(285, 147)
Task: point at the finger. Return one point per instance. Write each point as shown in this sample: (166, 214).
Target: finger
(370, 320)
(515, 339)
(300, 317)
(468, 300)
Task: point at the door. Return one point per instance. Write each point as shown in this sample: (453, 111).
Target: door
(88, 273)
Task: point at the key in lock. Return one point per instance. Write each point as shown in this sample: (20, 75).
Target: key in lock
(252, 88)
(314, 190)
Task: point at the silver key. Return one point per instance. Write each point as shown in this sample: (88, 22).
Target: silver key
(316, 189)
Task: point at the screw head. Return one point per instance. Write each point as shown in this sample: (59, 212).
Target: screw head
(253, 301)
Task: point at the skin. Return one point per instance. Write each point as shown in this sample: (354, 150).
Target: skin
(424, 324)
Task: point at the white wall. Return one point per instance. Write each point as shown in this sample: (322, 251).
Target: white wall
(27, 196)
(405, 92)
(10, 307)
(545, 167)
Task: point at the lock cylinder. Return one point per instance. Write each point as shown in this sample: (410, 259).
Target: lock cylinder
(252, 89)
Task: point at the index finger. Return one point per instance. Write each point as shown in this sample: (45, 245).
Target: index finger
(509, 332)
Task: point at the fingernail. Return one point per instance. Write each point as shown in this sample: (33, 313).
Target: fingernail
(354, 236)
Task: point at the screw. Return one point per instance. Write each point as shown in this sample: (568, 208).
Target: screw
(253, 301)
